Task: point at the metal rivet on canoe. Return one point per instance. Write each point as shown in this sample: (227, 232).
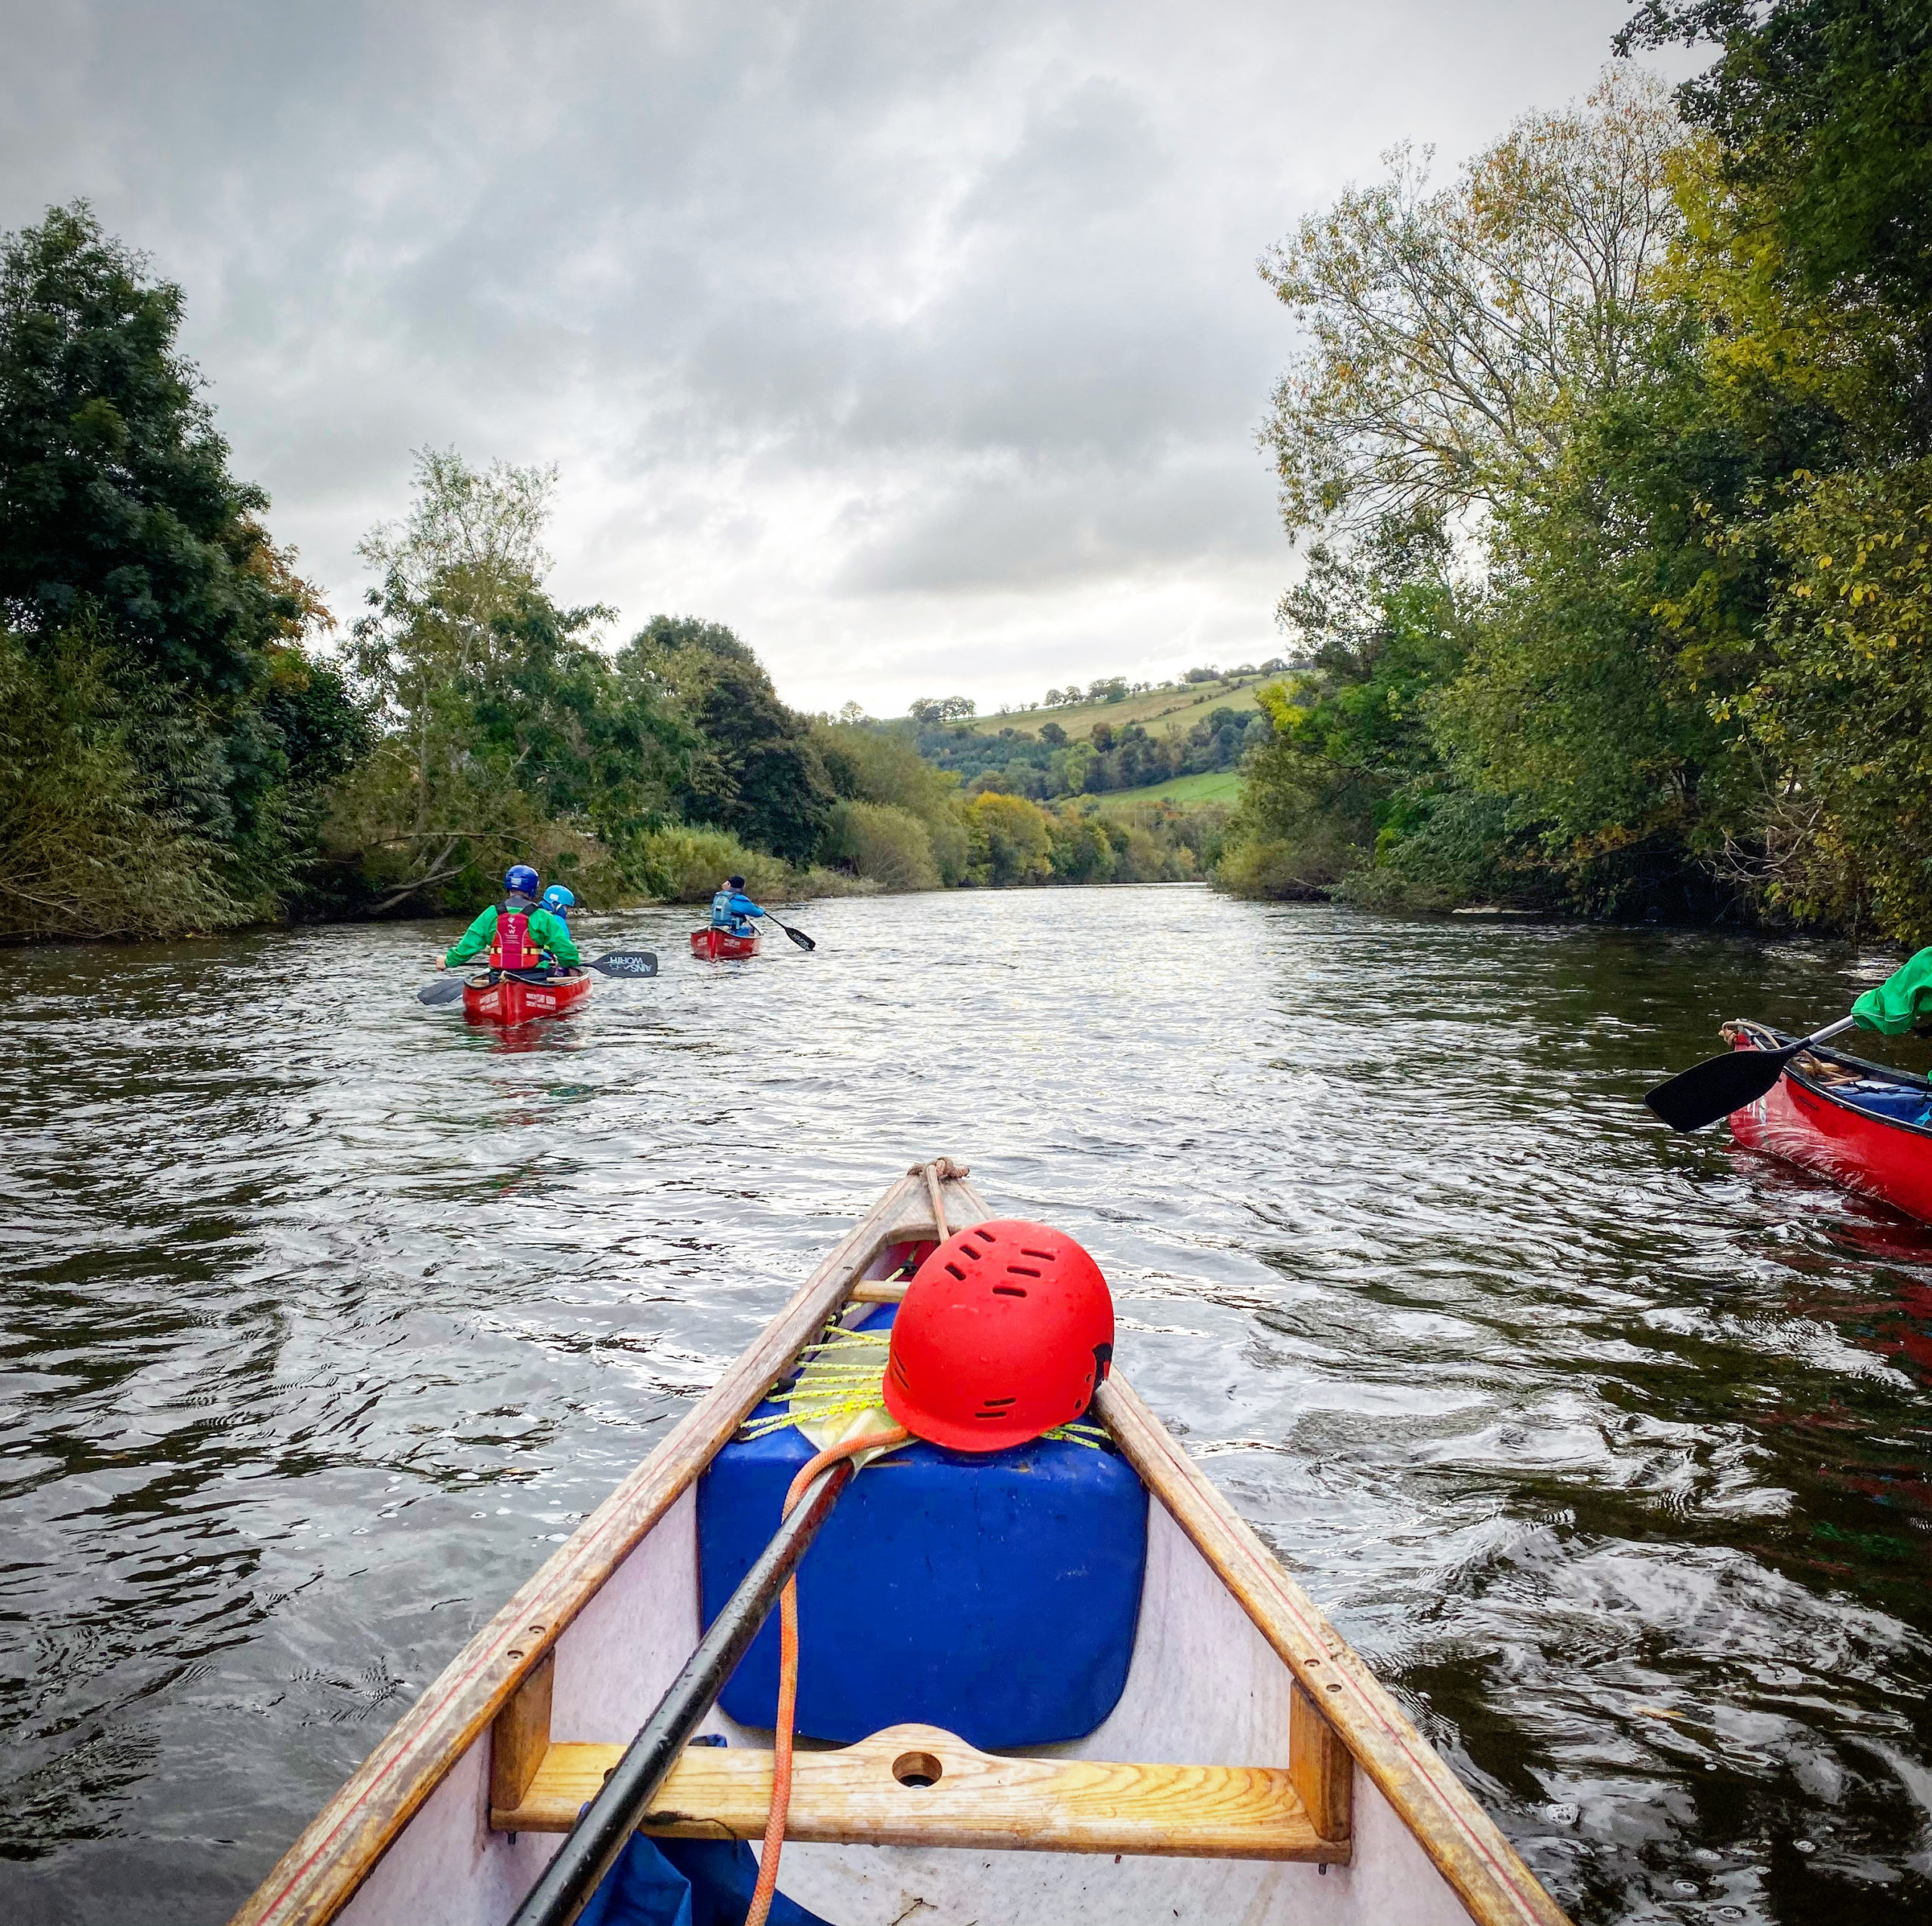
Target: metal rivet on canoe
(1334, 1685)
(537, 1631)
(513, 1655)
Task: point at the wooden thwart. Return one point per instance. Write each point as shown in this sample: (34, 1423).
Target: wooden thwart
(859, 1795)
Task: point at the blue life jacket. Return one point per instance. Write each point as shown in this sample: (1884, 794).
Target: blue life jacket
(731, 910)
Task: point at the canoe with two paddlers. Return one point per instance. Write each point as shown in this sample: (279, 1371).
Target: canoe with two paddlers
(722, 946)
(1866, 1126)
(1061, 1683)
(509, 998)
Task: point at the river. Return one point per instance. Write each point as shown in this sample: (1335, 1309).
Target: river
(326, 1318)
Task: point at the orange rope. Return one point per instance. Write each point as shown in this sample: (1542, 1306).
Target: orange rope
(788, 1675)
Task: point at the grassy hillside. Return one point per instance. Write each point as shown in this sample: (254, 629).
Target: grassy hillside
(1160, 709)
(1217, 786)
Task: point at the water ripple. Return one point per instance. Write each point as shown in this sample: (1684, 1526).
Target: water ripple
(328, 1317)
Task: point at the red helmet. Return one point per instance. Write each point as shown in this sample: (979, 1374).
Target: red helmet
(1005, 1332)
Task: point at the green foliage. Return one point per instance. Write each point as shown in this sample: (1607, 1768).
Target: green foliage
(1453, 333)
(116, 503)
(1823, 112)
(877, 766)
(681, 865)
(90, 851)
(1687, 679)
(1010, 841)
(1844, 704)
(882, 843)
(754, 769)
(1350, 763)
(507, 736)
(123, 535)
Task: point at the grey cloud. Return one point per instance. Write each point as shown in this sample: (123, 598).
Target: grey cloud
(888, 333)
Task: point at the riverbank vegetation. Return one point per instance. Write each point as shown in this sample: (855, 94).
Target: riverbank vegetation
(1612, 459)
(191, 743)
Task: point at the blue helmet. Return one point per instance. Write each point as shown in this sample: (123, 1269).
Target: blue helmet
(523, 880)
(558, 900)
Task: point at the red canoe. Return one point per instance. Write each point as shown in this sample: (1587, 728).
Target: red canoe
(721, 946)
(1861, 1125)
(511, 1000)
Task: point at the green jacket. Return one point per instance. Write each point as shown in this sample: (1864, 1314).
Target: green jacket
(1902, 1002)
(546, 932)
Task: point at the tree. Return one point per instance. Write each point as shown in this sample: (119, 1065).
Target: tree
(116, 498)
(1454, 333)
(1011, 841)
(126, 544)
(755, 770)
(506, 734)
(1823, 110)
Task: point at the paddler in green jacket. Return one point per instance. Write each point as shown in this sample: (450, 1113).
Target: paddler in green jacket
(543, 931)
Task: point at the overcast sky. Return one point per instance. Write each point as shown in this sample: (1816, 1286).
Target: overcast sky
(920, 343)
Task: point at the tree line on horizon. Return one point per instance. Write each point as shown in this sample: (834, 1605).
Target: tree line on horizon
(1612, 462)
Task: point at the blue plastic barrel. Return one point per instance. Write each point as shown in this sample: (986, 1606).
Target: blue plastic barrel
(993, 1596)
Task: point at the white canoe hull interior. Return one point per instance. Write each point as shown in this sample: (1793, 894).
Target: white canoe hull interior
(409, 1842)
(1204, 1689)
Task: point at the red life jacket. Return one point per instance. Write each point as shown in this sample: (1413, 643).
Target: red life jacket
(510, 946)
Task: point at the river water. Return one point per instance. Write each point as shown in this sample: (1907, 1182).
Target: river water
(326, 1317)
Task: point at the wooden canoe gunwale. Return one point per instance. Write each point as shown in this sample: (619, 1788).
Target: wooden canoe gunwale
(320, 1872)
(337, 1851)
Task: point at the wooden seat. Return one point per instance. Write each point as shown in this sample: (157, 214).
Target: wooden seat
(916, 1786)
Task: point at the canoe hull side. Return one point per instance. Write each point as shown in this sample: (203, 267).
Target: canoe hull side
(509, 1001)
(1873, 1156)
(720, 946)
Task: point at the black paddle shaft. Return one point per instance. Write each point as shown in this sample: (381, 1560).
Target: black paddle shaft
(605, 1825)
(1721, 1085)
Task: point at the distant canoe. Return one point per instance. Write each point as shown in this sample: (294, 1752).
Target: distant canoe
(1855, 1122)
(1251, 1767)
(720, 946)
(513, 1000)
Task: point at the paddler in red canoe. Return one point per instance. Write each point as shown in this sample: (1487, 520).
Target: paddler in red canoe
(732, 910)
(516, 931)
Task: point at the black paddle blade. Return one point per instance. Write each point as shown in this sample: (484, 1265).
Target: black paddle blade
(798, 936)
(445, 989)
(1718, 1086)
(625, 963)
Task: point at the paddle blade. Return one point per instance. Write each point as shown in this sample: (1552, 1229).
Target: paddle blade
(1716, 1086)
(445, 989)
(625, 963)
(798, 936)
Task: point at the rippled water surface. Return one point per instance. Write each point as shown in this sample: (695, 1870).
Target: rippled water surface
(325, 1316)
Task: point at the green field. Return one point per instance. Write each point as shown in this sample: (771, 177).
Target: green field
(1219, 786)
(1162, 710)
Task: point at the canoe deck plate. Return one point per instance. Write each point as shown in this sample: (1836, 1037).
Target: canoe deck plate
(917, 1785)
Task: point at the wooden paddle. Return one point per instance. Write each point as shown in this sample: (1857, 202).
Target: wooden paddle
(619, 963)
(798, 936)
(1721, 1085)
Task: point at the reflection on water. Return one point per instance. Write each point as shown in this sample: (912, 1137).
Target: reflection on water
(327, 1315)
